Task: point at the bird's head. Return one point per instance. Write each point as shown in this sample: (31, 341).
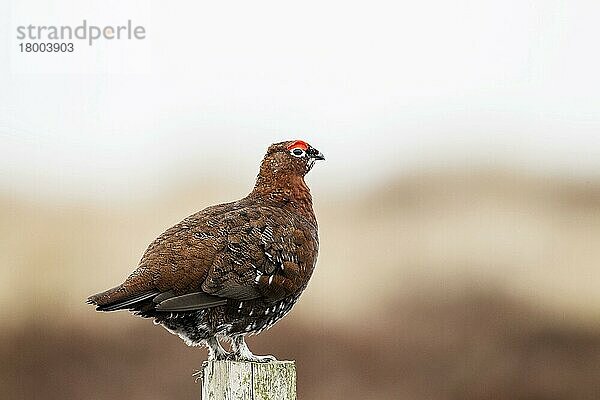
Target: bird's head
(281, 175)
(294, 157)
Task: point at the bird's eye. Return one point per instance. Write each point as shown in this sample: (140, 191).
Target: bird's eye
(297, 152)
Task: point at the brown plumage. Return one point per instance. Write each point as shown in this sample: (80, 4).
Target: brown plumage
(231, 269)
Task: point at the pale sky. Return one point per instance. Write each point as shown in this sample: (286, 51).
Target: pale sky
(380, 88)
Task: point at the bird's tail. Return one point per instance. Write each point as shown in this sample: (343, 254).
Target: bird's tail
(118, 298)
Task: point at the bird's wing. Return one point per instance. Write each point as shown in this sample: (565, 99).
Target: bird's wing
(266, 253)
(174, 264)
(220, 253)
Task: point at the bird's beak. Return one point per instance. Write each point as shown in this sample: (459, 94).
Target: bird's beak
(315, 154)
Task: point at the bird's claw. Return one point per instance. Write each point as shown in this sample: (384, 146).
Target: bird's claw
(231, 357)
(248, 358)
(198, 375)
(264, 359)
(257, 359)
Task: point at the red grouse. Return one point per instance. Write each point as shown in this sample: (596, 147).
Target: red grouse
(232, 269)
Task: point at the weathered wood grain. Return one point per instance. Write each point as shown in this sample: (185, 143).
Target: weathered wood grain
(233, 380)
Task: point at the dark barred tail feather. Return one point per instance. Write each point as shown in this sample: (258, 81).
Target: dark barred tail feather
(118, 298)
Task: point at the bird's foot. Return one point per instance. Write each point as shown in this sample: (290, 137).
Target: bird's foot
(249, 357)
(258, 359)
(231, 357)
(198, 375)
(241, 352)
(221, 356)
(215, 351)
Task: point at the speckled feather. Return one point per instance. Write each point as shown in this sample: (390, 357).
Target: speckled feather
(246, 262)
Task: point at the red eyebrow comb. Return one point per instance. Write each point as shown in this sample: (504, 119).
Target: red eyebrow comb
(300, 144)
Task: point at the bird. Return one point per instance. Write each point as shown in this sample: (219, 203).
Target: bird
(233, 269)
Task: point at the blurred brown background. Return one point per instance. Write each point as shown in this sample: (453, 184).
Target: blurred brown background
(433, 285)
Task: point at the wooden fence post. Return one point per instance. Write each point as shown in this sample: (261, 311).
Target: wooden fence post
(233, 380)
